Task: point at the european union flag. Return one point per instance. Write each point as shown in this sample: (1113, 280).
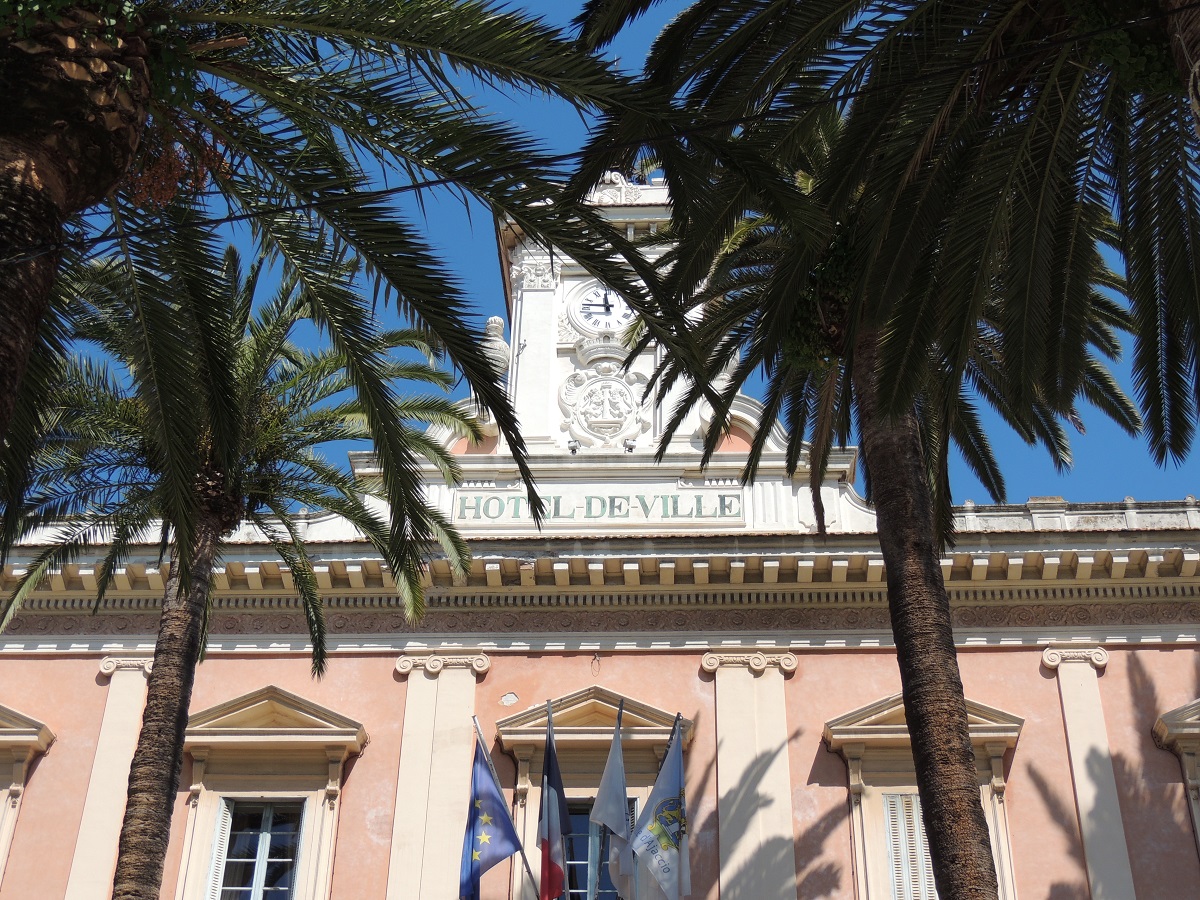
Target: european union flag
(491, 836)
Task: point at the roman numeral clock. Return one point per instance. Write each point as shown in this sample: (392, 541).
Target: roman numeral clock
(601, 404)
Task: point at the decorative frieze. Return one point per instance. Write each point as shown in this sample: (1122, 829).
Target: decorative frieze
(618, 612)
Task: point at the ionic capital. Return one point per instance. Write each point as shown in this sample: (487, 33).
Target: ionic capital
(757, 662)
(110, 665)
(1055, 656)
(434, 663)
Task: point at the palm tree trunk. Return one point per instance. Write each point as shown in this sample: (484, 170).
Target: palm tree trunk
(934, 706)
(154, 772)
(1183, 27)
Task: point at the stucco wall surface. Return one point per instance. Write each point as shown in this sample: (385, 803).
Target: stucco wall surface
(67, 694)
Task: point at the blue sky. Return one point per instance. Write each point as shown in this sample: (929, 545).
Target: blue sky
(1108, 464)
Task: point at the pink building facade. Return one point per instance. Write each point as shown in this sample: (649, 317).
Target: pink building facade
(674, 589)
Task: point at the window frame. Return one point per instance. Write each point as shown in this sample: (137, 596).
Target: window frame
(225, 818)
(874, 742)
(269, 746)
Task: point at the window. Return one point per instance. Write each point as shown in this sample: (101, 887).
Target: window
(890, 851)
(587, 855)
(259, 849)
(908, 853)
(583, 730)
(266, 783)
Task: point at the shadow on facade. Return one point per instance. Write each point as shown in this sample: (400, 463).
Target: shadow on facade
(1153, 811)
(759, 875)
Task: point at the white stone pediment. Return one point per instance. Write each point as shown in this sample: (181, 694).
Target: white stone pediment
(882, 724)
(1179, 729)
(272, 717)
(21, 733)
(585, 719)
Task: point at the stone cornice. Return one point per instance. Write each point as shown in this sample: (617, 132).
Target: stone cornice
(1063, 654)
(757, 662)
(435, 662)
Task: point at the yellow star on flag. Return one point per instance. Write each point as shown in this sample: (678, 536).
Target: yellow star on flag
(478, 804)
(474, 855)
(485, 819)
(484, 837)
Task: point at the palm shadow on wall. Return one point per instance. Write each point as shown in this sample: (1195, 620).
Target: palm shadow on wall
(817, 876)
(1143, 799)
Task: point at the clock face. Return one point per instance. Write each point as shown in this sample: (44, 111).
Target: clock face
(600, 309)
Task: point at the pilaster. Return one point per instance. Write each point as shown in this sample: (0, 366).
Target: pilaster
(754, 790)
(434, 782)
(95, 856)
(1104, 847)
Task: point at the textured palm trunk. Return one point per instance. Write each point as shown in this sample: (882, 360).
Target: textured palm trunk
(154, 772)
(75, 107)
(1183, 27)
(934, 706)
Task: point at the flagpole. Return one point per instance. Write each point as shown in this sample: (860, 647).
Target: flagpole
(496, 778)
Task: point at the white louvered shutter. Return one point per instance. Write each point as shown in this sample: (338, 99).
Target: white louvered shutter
(220, 845)
(909, 865)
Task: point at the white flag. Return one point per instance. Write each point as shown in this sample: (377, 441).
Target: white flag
(660, 835)
(611, 810)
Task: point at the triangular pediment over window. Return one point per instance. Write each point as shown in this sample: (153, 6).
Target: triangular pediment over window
(585, 719)
(1179, 729)
(882, 724)
(21, 733)
(272, 717)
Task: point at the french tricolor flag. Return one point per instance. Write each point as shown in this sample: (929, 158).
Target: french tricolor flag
(553, 820)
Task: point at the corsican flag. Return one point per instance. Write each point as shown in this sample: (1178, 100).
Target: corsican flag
(491, 836)
(611, 810)
(553, 821)
(660, 835)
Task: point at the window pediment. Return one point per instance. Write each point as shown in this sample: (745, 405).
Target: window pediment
(20, 733)
(1179, 729)
(272, 718)
(584, 720)
(881, 725)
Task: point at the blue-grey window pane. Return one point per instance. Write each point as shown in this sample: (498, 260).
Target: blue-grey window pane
(238, 874)
(279, 874)
(283, 846)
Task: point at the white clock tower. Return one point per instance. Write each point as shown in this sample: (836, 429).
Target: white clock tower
(567, 378)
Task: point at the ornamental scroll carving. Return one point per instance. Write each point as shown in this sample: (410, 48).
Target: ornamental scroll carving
(757, 662)
(1054, 656)
(435, 663)
(615, 189)
(110, 665)
(534, 268)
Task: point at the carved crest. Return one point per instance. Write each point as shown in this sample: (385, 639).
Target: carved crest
(602, 406)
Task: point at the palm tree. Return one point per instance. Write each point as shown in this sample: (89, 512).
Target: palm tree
(97, 480)
(801, 304)
(300, 118)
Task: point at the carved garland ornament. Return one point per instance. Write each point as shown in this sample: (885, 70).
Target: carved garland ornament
(611, 617)
(534, 268)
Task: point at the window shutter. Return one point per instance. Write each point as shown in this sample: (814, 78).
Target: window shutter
(908, 853)
(220, 845)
